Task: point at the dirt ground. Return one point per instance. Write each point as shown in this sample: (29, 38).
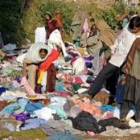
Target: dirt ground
(37, 134)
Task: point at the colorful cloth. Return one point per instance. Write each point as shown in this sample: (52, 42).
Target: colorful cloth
(46, 64)
(31, 107)
(89, 107)
(32, 124)
(29, 90)
(59, 111)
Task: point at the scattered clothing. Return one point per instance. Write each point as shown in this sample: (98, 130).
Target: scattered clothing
(113, 122)
(32, 124)
(85, 122)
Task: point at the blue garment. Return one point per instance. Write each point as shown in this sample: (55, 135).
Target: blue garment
(18, 106)
(22, 103)
(62, 136)
(32, 124)
(59, 111)
(2, 89)
(31, 107)
(60, 87)
(8, 110)
(119, 93)
(88, 64)
(107, 108)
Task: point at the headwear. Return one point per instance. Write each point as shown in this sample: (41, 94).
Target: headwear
(57, 12)
(32, 54)
(58, 18)
(48, 13)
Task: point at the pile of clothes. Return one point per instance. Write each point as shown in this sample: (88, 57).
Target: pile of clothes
(63, 111)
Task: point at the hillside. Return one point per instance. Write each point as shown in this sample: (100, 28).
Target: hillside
(20, 18)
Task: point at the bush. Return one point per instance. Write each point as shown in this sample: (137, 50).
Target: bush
(9, 17)
(18, 25)
(65, 8)
(110, 14)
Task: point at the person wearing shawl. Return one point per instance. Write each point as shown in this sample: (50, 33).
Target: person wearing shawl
(131, 80)
(120, 50)
(93, 42)
(56, 44)
(51, 24)
(58, 18)
(55, 41)
(36, 54)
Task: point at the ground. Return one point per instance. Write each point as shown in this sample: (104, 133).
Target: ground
(37, 134)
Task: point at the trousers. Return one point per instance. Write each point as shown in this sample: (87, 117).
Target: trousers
(104, 74)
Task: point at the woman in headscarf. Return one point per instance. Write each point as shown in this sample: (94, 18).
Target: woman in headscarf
(36, 54)
(51, 24)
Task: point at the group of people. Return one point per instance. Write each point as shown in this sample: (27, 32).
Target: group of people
(124, 56)
(96, 36)
(40, 55)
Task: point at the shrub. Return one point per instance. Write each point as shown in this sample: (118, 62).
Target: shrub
(18, 25)
(65, 8)
(9, 17)
(110, 14)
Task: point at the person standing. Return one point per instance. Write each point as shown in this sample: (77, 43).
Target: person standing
(131, 80)
(120, 50)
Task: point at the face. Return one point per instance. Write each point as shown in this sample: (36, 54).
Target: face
(58, 15)
(47, 17)
(91, 23)
(135, 30)
(42, 54)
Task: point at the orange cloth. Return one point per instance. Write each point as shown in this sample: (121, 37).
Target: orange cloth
(89, 107)
(46, 64)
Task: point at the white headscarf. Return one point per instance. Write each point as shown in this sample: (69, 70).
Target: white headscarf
(32, 55)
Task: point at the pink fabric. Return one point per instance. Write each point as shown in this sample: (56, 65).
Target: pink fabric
(29, 90)
(65, 77)
(62, 93)
(89, 107)
(85, 26)
(107, 115)
(78, 80)
(15, 84)
(90, 133)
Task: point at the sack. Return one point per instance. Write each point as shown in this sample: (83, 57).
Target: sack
(102, 97)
